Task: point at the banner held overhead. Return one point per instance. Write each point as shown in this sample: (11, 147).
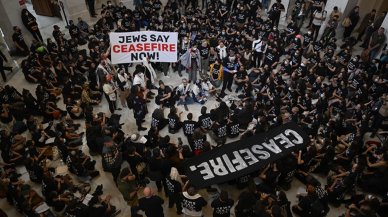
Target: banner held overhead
(129, 47)
(243, 157)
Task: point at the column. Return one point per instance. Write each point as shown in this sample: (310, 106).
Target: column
(11, 16)
(75, 9)
(345, 6)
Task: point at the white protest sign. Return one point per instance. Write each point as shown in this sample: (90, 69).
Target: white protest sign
(129, 47)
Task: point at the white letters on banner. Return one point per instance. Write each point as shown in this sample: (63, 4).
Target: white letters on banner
(129, 47)
(243, 158)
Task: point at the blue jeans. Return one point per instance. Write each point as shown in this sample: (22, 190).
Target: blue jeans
(188, 100)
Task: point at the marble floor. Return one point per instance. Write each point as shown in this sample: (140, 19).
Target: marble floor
(17, 80)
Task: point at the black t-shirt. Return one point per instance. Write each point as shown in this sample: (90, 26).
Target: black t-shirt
(307, 39)
(35, 172)
(173, 187)
(19, 39)
(152, 206)
(317, 46)
(164, 91)
(197, 144)
(173, 122)
(241, 16)
(220, 130)
(205, 121)
(56, 34)
(271, 57)
(241, 74)
(193, 203)
(285, 69)
(216, 71)
(204, 51)
(222, 208)
(189, 127)
(277, 8)
(233, 129)
(73, 30)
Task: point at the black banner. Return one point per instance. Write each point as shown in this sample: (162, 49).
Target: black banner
(240, 158)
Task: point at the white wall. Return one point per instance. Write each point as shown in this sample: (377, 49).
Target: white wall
(10, 12)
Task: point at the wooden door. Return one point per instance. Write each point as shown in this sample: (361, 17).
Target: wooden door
(43, 7)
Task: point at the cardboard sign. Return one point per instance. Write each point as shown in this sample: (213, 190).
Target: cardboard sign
(129, 47)
(243, 157)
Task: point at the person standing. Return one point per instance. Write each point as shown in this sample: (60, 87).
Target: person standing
(313, 6)
(30, 23)
(319, 17)
(2, 67)
(139, 106)
(258, 47)
(151, 204)
(275, 12)
(367, 21)
(111, 157)
(216, 73)
(124, 83)
(376, 42)
(110, 93)
(191, 60)
(192, 202)
(128, 188)
(18, 40)
(229, 65)
(90, 4)
(354, 17)
(173, 185)
(222, 205)
(204, 50)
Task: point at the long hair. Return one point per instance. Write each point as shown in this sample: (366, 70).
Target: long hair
(174, 175)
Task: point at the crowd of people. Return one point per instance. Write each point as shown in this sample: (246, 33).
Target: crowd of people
(231, 52)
